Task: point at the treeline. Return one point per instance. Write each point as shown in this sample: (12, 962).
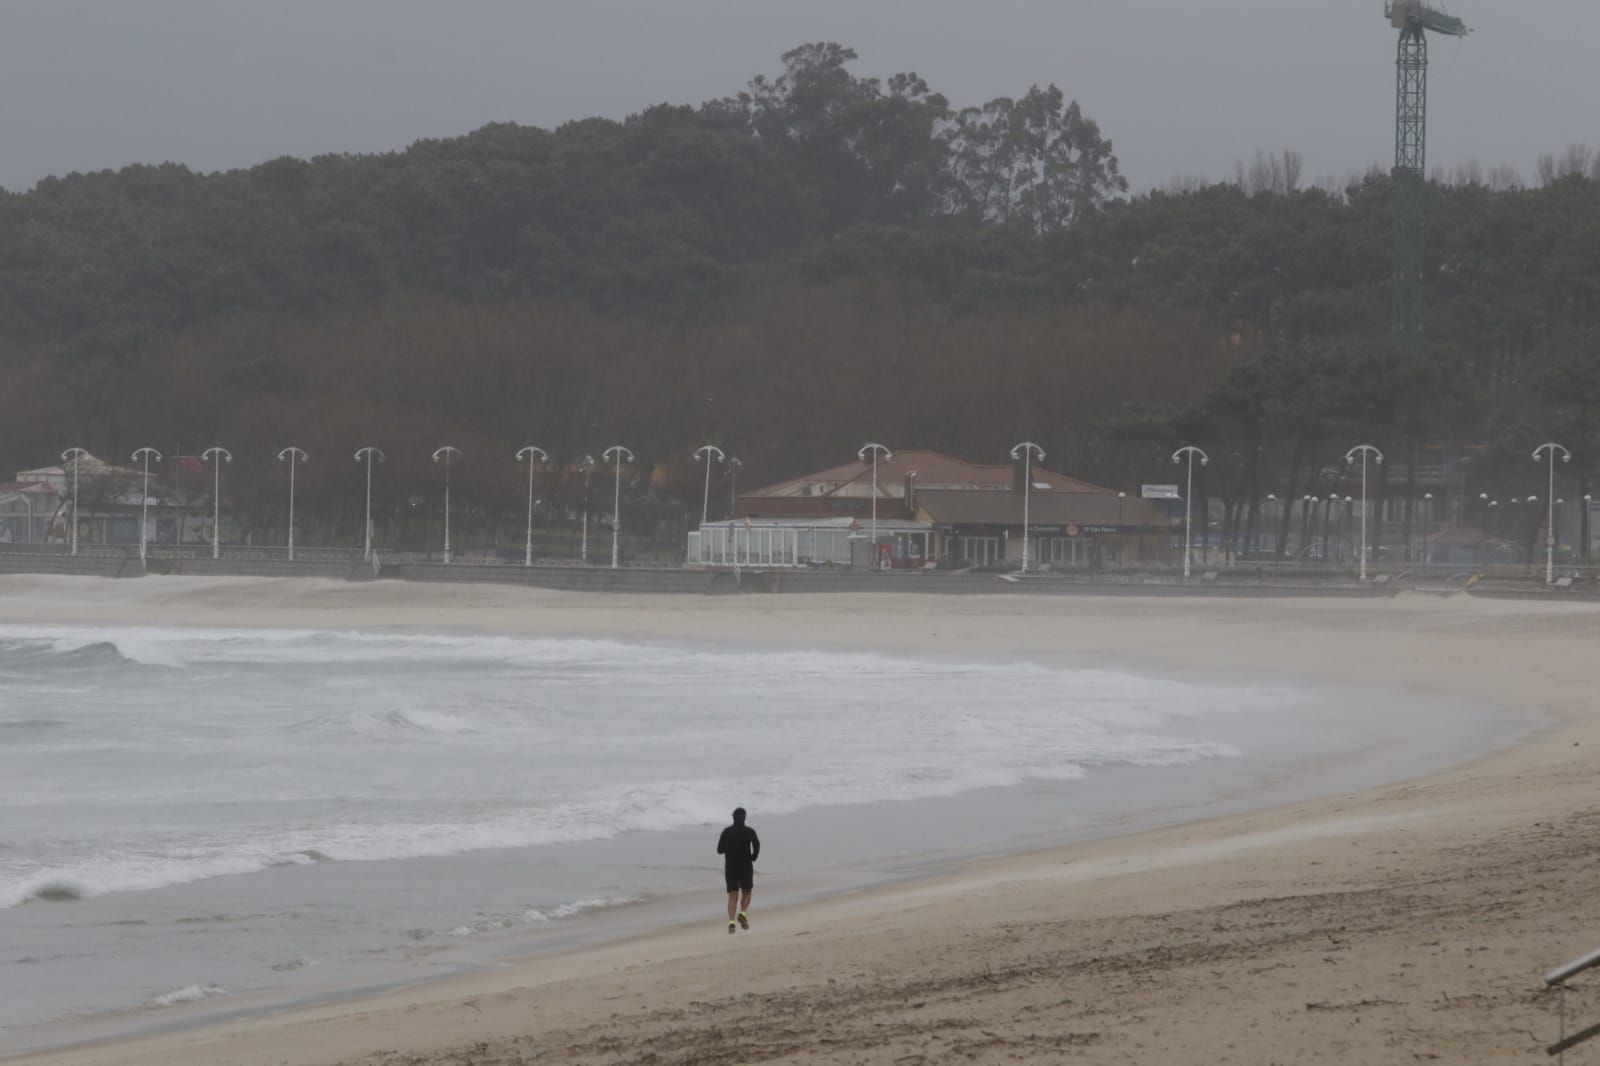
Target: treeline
(820, 259)
(661, 211)
(796, 379)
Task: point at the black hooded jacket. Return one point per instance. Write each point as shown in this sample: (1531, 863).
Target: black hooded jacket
(739, 846)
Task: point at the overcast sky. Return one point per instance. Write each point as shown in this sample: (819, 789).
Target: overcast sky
(1180, 87)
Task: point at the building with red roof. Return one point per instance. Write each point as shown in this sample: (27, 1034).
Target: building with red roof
(931, 509)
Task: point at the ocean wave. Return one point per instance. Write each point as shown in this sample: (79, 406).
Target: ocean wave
(33, 725)
(58, 890)
(188, 994)
(301, 963)
(212, 768)
(386, 724)
(541, 915)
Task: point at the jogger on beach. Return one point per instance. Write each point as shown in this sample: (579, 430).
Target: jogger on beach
(739, 847)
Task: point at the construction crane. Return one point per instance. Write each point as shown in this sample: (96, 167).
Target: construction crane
(1415, 19)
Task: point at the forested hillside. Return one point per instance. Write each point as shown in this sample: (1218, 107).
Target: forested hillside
(820, 259)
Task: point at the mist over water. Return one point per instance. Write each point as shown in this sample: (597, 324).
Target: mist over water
(195, 816)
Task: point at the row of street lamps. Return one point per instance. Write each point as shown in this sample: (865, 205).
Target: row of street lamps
(1028, 451)
(1191, 453)
(218, 455)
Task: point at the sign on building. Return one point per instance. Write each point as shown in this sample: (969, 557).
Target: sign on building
(1159, 492)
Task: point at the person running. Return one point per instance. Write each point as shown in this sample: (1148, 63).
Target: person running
(739, 847)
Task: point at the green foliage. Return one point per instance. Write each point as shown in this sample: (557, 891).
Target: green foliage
(1009, 213)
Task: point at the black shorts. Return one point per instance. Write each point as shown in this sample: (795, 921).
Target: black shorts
(739, 878)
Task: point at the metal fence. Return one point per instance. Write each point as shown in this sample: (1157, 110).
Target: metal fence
(739, 546)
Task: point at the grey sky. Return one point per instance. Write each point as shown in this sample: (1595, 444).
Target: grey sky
(1181, 87)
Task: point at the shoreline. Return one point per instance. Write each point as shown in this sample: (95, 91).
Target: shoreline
(1408, 644)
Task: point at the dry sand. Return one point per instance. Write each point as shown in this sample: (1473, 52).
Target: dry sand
(1407, 923)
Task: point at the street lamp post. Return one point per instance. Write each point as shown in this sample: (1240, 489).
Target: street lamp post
(1344, 529)
(1191, 452)
(144, 498)
(530, 453)
(1427, 508)
(447, 452)
(616, 453)
(292, 455)
(583, 544)
(218, 455)
(75, 455)
(875, 450)
(1363, 450)
(710, 451)
(1530, 501)
(1550, 449)
(368, 454)
(1027, 451)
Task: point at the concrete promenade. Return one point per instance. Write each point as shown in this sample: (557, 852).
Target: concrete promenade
(349, 565)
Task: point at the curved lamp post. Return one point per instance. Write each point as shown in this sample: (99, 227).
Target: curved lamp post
(144, 498)
(530, 453)
(368, 454)
(1363, 450)
(218, 455)
(74, 455)
(1191, 452)
(1027, 451)
(875, 450)
(710, 451)
(447, 452)
(616, 453)
(1427, 508)
(293, 455)
(583, 544)
(1550, 449)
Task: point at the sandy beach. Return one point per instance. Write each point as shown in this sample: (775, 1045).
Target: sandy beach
(1410, 922)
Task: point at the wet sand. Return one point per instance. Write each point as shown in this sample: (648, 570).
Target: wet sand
(1410, 922)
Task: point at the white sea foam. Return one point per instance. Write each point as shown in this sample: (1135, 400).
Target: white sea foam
(542, 915)
(188, 754)
(189, 994)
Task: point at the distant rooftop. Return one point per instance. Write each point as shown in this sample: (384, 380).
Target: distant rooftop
(934, 470)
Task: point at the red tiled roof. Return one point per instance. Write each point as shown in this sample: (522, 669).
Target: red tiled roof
(932, 468)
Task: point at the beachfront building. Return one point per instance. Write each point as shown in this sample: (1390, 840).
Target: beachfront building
(27, 510)
(110, 504)
(934, 510)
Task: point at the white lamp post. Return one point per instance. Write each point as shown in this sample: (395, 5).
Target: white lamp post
(1427, 508)
(293, 455)
(1363, 450)
(144, 497)
(447, 452)
(583, 544)
(74, 454)
(875, 450)
(28, 503)
(1027, 451)
(218, 455)
(710, 451)
(1550, 449)
(368, 454)
(530, 453)
(1191, 452)
(616, 453)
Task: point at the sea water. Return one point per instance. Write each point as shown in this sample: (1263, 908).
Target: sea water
(252, 816)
